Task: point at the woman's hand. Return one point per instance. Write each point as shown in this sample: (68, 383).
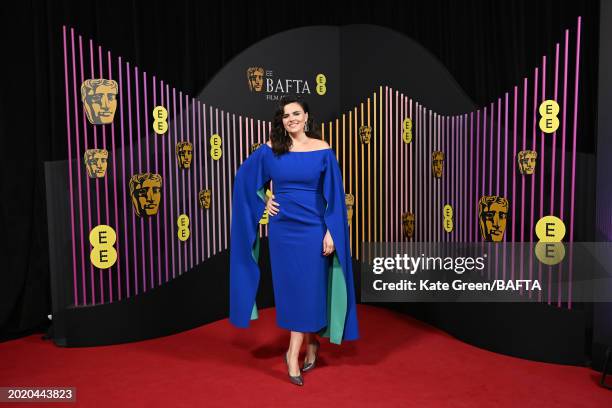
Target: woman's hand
(271, 206)
(328, 244)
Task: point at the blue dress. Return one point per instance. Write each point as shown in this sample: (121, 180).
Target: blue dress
(313, 292)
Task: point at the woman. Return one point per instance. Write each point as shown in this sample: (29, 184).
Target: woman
(308, 237)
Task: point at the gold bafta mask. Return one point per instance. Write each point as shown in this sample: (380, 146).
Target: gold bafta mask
(145, 190)
(99, 97)
(255, 76)
(365, 133)
(255, 146)
(204, 198)
(527, 161)
(408, 225)
(437, 163)
(184, 154)
(350, 203)
(492, 215)
(96, 161)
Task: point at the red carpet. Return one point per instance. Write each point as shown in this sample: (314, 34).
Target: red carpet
(398, 362)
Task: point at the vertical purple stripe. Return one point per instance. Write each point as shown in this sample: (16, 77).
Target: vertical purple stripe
(471, 178)
(146, 135)
(125, 254)
(222, 165)
(165, 178)
(176, 256)
(476, 197)
(134, 241)
(70, 182)
(116, 206)
(575, 128)
(107, 207)
(184, 209)
(85, 145)
(140, 170)
(158, 218)
(514, 164)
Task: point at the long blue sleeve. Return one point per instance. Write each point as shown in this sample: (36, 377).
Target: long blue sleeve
(247, 209)
(341, 291)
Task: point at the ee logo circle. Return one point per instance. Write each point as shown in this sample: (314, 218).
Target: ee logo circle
(160, 116)
(407, 130)
(549, 122)
(215, 147)
(321, 81)
(102, 238)
(447, 213)
(550, 230)
(183, 227)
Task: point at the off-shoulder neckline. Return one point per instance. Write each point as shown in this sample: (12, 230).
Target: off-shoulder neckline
(306, 151)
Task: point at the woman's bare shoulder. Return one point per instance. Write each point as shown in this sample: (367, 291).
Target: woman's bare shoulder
(269, 143)
(322, 144)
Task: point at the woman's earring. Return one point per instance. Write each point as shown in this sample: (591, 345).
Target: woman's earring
(306, 127)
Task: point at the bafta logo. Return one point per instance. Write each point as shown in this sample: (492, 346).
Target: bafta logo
(184, 154)
(99, 97)
(96, 161)
(492, 216)
(408, 225)
(350, 203)
(204, 198)
(437, 163)
(255, 77)
(255, 146)
(527, 161)
(145, 190)
(365, 133)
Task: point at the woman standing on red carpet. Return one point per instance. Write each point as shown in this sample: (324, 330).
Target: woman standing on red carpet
(308, 237)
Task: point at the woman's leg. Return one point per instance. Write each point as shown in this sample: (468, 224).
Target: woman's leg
(311, 347)
(295, 344)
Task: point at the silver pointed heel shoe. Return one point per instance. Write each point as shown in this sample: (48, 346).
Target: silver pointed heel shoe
(310, 366)
(295, 379)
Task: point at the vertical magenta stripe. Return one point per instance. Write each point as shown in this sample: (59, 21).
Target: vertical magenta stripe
(197, 213)
(223, 167)
(411, 162)
(554, 141)
(158, 218)
(87, 189)
(206, 179)
(541, 171)
(141, 169)
(386, 160)
(476, 197)
(471, 183)
(575, 128)
(218, 177)
(513, 164)
(132, 172)
(189, 204)
(147, 139)
(116, 206)
(125, 254)
(184, 209)
(165, 188)
(176, 256)
(70, 182)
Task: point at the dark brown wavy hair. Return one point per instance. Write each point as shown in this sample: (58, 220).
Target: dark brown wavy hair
(281, 141)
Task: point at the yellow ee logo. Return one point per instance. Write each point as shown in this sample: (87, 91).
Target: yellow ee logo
(183, 227)
(102, 238)
(447, 213)
(407, 130)
(550, 229)
(549, 122)
(160, 125)
(321, 81)
(215, 147)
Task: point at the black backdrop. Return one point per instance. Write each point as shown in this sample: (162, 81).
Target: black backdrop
(487, 45)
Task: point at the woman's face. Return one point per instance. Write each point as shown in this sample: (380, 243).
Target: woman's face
(294, 117)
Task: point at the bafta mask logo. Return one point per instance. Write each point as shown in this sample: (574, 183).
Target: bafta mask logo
(99, 97)
(255, 76)
(365, 133)
(527, 161)
(493, 213)
(204, 198)
(255, 146)
(184, 154)
(145, 190)
(437, 163)
(96, 161)
(408, 225)
(350, 204)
